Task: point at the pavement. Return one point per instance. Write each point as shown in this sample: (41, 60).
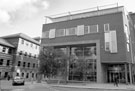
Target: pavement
(106, 86)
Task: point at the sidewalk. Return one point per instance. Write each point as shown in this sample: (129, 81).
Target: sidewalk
(105, 86)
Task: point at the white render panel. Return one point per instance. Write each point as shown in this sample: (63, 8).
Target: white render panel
(80, 30)
(107, 41)
(113, 42)
(52, 33)
(28, 49)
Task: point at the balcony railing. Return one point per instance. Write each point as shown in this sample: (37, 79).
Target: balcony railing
(96, 11)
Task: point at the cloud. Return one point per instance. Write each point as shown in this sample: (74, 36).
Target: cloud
(11, 10)
(4, 16)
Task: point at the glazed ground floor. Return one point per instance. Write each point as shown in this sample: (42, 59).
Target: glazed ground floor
(105, 74)
(85, 63)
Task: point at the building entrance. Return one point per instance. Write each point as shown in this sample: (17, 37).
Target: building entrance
(116, 70)
(111, 76)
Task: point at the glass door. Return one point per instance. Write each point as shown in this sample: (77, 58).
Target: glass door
(120, 73)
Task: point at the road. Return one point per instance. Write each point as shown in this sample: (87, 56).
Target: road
(43, 87)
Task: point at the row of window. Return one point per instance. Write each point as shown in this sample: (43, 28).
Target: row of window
(5, 50)
(79, 30)
(25, 64)
(27, 75)
(29, 44)
(28, 55)
(4, 75)
(2, 62)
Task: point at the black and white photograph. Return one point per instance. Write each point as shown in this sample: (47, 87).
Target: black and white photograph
(67, 45)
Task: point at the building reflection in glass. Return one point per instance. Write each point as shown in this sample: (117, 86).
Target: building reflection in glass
(82, 66)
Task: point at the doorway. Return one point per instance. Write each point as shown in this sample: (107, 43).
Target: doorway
(114, 70)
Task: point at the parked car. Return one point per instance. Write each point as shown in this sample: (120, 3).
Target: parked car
(18, 80)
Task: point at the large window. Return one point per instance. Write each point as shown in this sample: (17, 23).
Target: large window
(82, 65)
(71, 31)
(60, 32)
(93, 28)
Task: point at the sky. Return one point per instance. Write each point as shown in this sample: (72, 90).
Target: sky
(28, 16)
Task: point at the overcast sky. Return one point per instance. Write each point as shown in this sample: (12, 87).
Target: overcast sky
(27, 16)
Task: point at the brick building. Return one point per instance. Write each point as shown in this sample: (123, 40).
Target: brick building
(6, 57)
(25, 57)
(102, 39)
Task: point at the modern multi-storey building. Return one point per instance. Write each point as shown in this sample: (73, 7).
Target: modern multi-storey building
(100, 43)
(25, 57)
(6, 57)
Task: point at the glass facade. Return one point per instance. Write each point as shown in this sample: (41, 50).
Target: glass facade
(82, 62)
(82, 65)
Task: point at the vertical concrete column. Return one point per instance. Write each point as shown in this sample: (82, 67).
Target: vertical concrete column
(126, 78)
(68, 54)
(98, 63)
(130, 73)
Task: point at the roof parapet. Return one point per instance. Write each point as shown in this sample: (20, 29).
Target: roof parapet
(96, 11)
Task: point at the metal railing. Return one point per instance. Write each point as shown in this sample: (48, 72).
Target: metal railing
(83, 13)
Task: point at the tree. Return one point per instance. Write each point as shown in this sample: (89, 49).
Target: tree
(52, 61)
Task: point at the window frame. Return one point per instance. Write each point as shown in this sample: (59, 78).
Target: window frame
(86, 27)
(1, 61)
(8, 63)
(4, 49)
(60, 33)
(68, 31)
(90, 31)
(108, 27)
(19, 63)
